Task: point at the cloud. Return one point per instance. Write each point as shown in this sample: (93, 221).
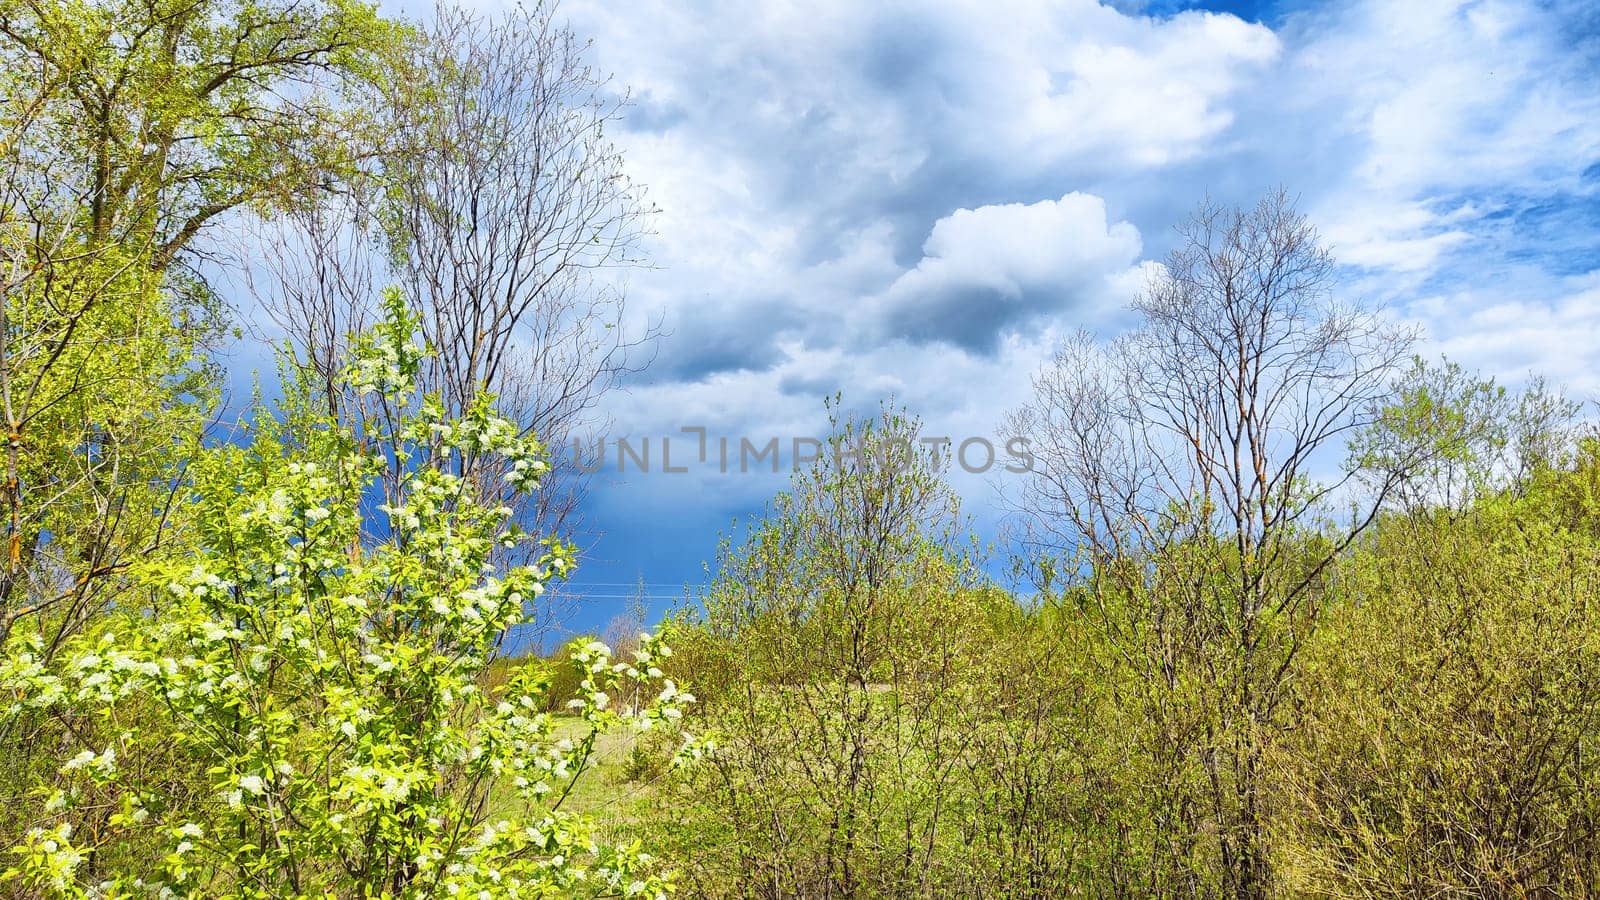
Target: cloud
(1146, 92)
(918, 199)
(988, 271)
(803, 154)
(717, 337)
(1512, 339)
(1457, 112)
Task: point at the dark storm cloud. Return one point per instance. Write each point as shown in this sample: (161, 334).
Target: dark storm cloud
(709, 339)
(845, 116)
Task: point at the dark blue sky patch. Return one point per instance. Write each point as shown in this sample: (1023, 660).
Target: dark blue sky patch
(1558, 232)
(971, 318)
(716, 336)
(1267, 12)
(1580, 25)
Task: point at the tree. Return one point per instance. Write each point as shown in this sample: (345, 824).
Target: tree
(1444, 703)
(163, 116)
(842, 624)
(314, 698)
(495, 201)
(1452, 438)
(129, 128)
(622, 632)
(1176, 469)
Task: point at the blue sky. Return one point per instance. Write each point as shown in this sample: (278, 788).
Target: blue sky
(921, 199)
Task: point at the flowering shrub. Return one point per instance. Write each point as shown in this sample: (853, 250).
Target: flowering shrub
(313, 662)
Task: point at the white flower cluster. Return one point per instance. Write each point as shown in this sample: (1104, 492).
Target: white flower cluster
(601, 676)
(547, 853)
(483, 432)
(386, 360)
(367, 785)
(48, 857)
(27, 681)
(329, 684)
(102, 764)
(429, 494)
(517, 740)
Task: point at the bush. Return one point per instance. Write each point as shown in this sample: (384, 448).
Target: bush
(1448, 727)
(316, 693)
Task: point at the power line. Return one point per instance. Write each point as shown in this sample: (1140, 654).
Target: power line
(630, 596)
(625, 584)
(624, 589)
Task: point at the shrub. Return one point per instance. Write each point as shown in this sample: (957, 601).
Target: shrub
(313, 667)
(1448, 715)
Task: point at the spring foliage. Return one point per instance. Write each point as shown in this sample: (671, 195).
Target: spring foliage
(293, 706)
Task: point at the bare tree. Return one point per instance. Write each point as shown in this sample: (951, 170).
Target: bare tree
(1178, 468)
(496, 205)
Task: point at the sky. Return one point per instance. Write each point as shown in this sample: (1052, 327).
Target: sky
(920, 200)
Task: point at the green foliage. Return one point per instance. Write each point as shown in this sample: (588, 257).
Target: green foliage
(1447, 741)
(1431, 735)
(563, 680)
(886, 724)
(146, 121)
(314, 692)
(835, 627)
(125, 130)
(270, 668)
(1047, 799)
(1451, 437)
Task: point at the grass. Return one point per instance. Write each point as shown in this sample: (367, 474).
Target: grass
(603, 792)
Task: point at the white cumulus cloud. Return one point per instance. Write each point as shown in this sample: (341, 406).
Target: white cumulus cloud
(990, 270)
